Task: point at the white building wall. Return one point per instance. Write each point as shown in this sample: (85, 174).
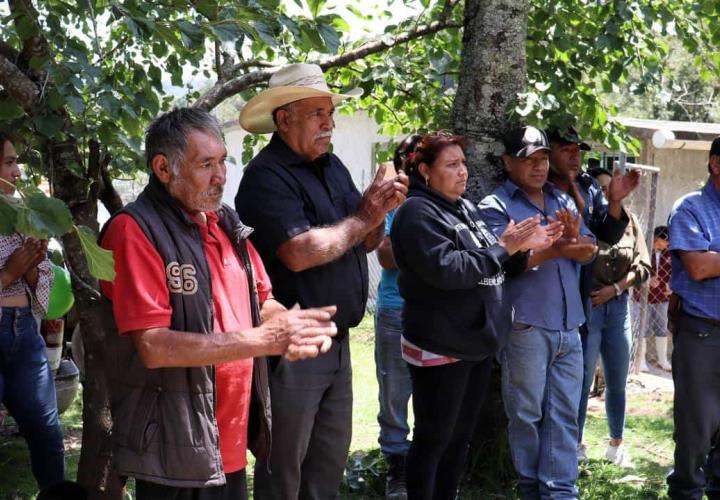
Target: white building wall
(681, 171)
(353, 141)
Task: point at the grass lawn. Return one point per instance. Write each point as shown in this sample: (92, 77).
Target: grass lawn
(648, 434)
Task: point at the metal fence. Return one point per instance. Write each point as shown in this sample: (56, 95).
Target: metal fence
(648, 313)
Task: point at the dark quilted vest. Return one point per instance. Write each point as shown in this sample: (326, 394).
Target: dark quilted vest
(164, 425)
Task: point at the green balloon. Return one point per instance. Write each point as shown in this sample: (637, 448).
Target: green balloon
(61, 296)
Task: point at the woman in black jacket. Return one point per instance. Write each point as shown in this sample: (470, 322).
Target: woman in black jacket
(455, 317)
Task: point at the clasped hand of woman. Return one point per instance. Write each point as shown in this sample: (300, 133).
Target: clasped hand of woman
(601, 295)
(23, 261)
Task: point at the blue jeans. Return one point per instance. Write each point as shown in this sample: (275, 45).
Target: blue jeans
(394, 382)
(541, 382)
(27, 390)
(609, 335)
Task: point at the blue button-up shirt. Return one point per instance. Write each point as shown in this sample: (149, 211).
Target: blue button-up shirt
(547, 296)
(695, 227)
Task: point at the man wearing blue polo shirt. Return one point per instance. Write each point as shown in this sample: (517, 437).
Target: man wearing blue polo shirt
(542, 362)
(694, 226)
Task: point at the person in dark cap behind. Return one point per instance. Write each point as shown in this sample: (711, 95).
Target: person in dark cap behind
(605, 217)
(542, 364)
(695, 309)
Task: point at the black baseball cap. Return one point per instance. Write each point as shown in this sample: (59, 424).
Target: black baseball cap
(524, 141)
(567, 136)
(715, 147)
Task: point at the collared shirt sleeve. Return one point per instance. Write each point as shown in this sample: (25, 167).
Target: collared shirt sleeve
(143, 299)
(272, 206)
(493, 214)
(262, 280)
(686, 231)
(41, 295)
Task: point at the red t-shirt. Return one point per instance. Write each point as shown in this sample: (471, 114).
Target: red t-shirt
(143, 302)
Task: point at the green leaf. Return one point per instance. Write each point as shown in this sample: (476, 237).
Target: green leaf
(192, 35)
(48, 215)
(226, 31)
(8, 217)
(55, 100)
(207, 8)
(10, 110)
(265, 33)
(100, 261)
(48, 125)
(25, 27)
(26, 225)
(315, 6)
(76, 103)
(330, 37)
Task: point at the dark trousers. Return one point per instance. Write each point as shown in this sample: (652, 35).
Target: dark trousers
(235, 488)
(27, 389)
(696, 412)
(446, 402)
(311, 427)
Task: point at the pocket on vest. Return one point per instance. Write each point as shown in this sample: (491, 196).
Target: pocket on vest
(144, 425)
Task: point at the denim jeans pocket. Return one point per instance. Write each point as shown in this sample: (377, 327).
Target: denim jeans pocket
(26, 335)
(521, 328)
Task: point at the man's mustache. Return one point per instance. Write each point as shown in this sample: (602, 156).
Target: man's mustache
(323, 135)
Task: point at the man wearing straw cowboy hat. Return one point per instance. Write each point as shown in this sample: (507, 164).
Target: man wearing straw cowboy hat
(313, 230)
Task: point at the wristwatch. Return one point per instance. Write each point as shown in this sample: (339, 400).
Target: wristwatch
(618, 290)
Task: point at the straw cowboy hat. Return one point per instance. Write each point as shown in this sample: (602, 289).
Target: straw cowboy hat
(289, 84)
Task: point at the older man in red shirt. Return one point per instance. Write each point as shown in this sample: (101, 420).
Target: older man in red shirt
(192, 306)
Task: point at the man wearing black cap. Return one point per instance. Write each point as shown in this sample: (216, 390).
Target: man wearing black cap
(605, 217)
(542, 362)
(694, 227)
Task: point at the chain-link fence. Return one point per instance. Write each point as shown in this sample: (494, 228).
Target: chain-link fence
(374, 272)
(648, 304)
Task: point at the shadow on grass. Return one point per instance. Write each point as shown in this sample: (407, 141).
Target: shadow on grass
(599, 480)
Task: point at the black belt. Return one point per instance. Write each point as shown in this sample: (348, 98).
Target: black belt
(709, 321)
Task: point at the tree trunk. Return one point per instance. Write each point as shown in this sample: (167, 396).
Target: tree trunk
(493, 73)
(95, 468)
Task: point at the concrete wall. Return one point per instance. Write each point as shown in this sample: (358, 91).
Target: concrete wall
(681, 171)
(353, 141)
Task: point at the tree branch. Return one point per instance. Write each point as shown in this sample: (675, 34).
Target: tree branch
(18, 85)
(380, 45)
(108, 195)
(254, 63)
(221, 91)
(218, 63)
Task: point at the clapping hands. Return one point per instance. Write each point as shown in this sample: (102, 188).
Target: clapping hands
(529, 234)
(382, 196)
